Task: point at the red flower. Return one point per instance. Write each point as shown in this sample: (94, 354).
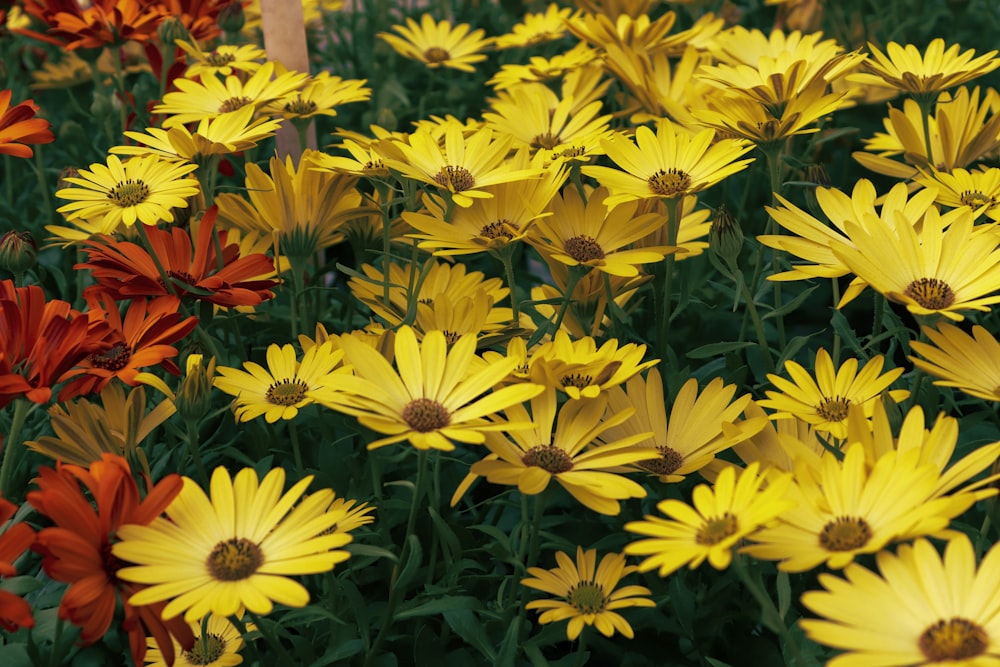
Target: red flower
(125, 270)
(121, 347)
(42, 341)
(77, 549)
(15, 612)
(101, 23)
(18, 126)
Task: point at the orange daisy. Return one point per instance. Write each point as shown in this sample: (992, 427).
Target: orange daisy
(18, 126)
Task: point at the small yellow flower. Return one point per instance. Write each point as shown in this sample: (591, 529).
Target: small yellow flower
(439, 44)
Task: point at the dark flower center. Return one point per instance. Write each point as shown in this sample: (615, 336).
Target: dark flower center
(287, 392)
(455, 178)
(234, 559)
(577, 380)
(546, 140)
(954, 639)
(669, 461)
(549, 458)
(207, 649)
(216, 59)
(845, 533)
(114, 358)
(301, 107)
(583, 248)
(424, 415)
(234, 103)
(975, 199)
(715, 530)
(931, 293)
(130, 192)
(498, 230)
(670, 182)
(436, 54)
(833, 408)
(588, 598)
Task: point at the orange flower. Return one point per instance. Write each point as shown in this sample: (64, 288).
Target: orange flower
(15, 612)
(199, 17)
(97, 24)
(42, 341)
(77, 549)
(122, 347)
(18, 127)
(126, 270)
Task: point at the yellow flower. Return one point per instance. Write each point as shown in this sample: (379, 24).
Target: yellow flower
(542, 121)
(589, 592)
(979, 190)
(439, 44)
(717, 520)
(320, 96)
(968, 363)
(219, 646)
(223, 60)
(536, 28)
(581, 369)
(540, 69)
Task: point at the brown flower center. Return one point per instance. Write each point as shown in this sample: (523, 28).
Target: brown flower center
(287, 392)
(845, 533)
(456, 178)
(375, 168)
(670, 182)
(975, 199)
(424, 415)
(954, 639)
(546, 140)
(234, 559)
(234, 103)
(931, 293)
(833, 408)
(114, 358)
(715, 530)
(578, 380)
(583, 248)
(588, 598)
(436, 54)
(498, 230)
(550, 458)
(207, 649)
(130, 192)
(216, 59)
(301, 107)
(669, 461)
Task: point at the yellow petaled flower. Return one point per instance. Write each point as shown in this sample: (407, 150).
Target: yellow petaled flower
(640, 33)
(935, 270)
(541, 69)
(537, 28)
(923, 75)
(671, 163)
(217, 643)
(463, 166)
(824, 401)
(320, 96)
(581, 369)
(303, 207)
(223, 60)
(209, 96)
(979, 190)
(841, 510)
(143, 189)
(439, 44)
(439, 394)
(718, 518)
(921, 610)
(542, 121)
(455, 316)
(589, 591)
(224, 134)
(781, 444)
(234, 549)
(364, 161)
(596, 235)
(70, 70)
(968, 363)
(570, 452)
(285, 386)
(587, 314)
(699, 427)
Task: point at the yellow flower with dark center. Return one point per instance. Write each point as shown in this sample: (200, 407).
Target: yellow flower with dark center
(218, 646)
(284, 387)
(236, 549)
(823, 400)
(223, 60)
(536, 28)
(439, 44)
(143, 189)
(970, 363)
(979, 189)
(540, 69)
(541, 121)
(717, 520)
(320, 96)
(588, 592)
(921, 609)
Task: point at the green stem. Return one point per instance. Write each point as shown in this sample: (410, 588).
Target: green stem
(758, 324)
(770, 616)
(529, 557)
(773, 154)
(835, 285)
(12, 443)
(667, 293)
(293, 435)
(8, 190)
(194, 447)
(926, 104)
(43, 186)
(575, 274)
(506, 256)
(283, 655)
(581, 649)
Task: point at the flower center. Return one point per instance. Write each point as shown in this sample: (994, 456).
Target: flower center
(234, 559)
(425, 415)
(670, 183)
(287, 392)
(498, 230)
(234, 103)
(130, 192)
(436, 54)
(931, 293)
(845, 533)
(577, 380)
(954, 639)
(715, 530)
(451, 337)
(114, 358)
(207, 649)
(374, 168)
(301, 107)
(583, 248)
(549, 458)
(571, 152)
(975, 199)
(669, 461)
(455, 178)
(545, 141)
(588, 598)
(833, 408)
(216, 59)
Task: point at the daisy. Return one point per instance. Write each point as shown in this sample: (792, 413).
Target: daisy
(589, 593)
(921, 609)
(217, 643)
(439, 44)
(543, 121)
(284, 387)
(19, 127)
(823, 399)
(143, 189)
(670, 163)
(223, 60)
(536, 28)
(979, 190)
(98, 23)
(717, 520)
(320, 96)
(234, 549)
(540, 69)
(438, 394)
(968, 363)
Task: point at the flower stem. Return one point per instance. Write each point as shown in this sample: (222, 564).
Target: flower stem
(194, 446)
(666, 296)
(272, 640)
(12, 444)
(773, 154)
(770, 616)
(506, 256)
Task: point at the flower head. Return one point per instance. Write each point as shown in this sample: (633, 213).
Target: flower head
(19, 127)
(439, 44)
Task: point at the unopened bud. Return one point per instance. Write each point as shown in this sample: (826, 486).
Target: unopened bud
(172, 29)
(194, 395)
(726, 237)
(231, 18)
(816, 176)
(17, 252)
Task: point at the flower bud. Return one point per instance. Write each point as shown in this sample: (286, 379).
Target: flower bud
(172, 29)
(17, 252)
(725, 239)
(231, 18)
(194, 395)
(816, 175)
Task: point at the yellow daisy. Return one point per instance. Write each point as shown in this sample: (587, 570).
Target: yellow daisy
(217, 643)
(235, 549)
(589, 593)
(542, 121)
(223, 60)
(536, 28)
(824, 401)
(979, 189)
(143, 189)
(968, 363)
(540, 69)
(320, 96)
(439, 44)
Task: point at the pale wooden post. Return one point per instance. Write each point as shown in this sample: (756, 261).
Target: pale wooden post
(285, 41)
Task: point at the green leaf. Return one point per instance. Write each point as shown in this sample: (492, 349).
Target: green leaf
(450, 544)
(784, 587)
(717, 349)
(339, 651)
(467, 625)
(439, 606)
(370, 550)
(793, 346)
(412, 563)
(509, 645)
(792, 305)
(20, 585)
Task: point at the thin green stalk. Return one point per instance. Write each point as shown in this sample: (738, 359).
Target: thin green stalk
(194, 446)
(773, 154)
(835, 285)
(12, 445)
(770, 616)
(43, 185)
(581, 649)
(506, 255)
(283, 656)
(926, 104)
(293, 436)
(8, 190)
(575, 274)
(665, 302)
(529, 557)
(877, 316)
(758, 324)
